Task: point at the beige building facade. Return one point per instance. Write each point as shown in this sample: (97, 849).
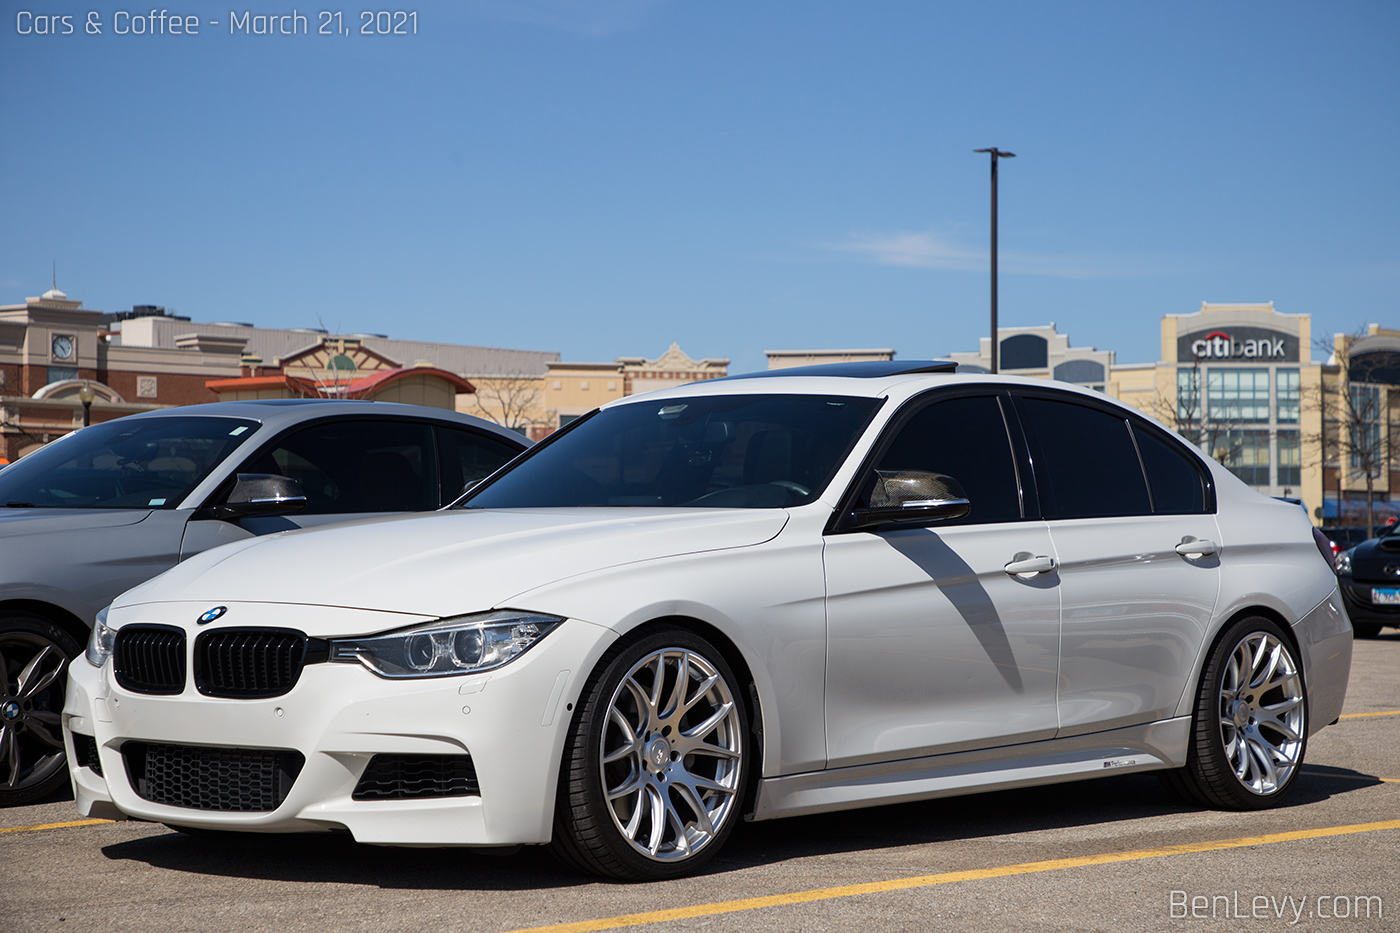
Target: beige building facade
(537, 406)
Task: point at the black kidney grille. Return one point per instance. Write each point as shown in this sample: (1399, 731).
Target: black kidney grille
(150, 659)
(248, 780)
(247, 663)
(409, 777)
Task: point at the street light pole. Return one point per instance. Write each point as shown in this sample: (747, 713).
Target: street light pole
(996, 154)
(86, 396)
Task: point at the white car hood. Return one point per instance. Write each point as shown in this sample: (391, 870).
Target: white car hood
(448, 563)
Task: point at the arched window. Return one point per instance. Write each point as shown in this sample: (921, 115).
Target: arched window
(1024, 351)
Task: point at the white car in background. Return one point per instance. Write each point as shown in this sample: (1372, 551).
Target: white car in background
(793, 593)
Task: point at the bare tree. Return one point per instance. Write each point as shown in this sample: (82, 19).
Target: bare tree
(512, 400)
(1361, 436)
(1184, 408)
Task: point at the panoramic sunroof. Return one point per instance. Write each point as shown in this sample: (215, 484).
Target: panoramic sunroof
(866, 369)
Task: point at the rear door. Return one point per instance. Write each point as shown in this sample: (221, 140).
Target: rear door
(1139, 564)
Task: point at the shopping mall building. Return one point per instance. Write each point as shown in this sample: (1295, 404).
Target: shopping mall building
(1290, 415)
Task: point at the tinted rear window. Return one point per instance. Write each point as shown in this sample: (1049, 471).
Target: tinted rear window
(1085, 465)
(1177, 486)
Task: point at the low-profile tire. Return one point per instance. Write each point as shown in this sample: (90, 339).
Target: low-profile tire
(1250, 727)
(34, 656)
(655, 762)
(1366, 629)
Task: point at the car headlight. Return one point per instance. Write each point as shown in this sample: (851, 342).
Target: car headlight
(1343, 564)
(99, 646)
(460, 645)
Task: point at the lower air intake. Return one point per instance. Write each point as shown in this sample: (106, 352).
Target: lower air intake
(414, 777)
(247, 780)
(86, 748)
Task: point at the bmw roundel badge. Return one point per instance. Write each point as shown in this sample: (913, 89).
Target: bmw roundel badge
(212, 614)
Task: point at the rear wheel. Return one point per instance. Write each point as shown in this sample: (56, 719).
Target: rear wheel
(34, 656)
(655, 762)
(1250, 730)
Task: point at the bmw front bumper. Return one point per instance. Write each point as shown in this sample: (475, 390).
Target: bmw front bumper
(511, 722)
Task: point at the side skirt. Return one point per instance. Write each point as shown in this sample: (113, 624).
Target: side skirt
(1150, 747)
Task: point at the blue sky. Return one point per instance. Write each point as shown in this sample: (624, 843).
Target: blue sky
(602, 178)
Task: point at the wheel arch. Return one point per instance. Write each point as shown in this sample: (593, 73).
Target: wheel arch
(58, 615)
(1186, 704)
(734, 657)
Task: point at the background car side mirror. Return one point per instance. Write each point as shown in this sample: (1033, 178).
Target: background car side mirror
(902, 496)
(261, 494)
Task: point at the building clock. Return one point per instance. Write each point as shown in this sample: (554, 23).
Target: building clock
(63, 347)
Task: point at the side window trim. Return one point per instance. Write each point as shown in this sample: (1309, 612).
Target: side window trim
(1142, 465)
(841, 517)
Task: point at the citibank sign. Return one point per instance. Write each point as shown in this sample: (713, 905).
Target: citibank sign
(1252, 343)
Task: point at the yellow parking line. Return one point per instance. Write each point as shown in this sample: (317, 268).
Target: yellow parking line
(1389, 712)
(923, 881)
(30, 829)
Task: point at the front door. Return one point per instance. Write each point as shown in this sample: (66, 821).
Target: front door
(934, 644)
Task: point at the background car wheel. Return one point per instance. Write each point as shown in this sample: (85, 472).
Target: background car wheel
(1366, 629)
(34, 656)
(656, 761)
(1250, 729)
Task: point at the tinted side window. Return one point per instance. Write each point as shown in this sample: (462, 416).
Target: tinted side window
(1177, 488)
(468, 456)
(1086, 465)
(964, 438)
(357, 466)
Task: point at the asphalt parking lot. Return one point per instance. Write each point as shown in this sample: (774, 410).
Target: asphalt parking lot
(1113, 853)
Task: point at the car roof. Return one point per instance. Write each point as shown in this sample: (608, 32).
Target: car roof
(861, 380)
(278, 413)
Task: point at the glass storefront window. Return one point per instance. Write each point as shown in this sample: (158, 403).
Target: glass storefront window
(1237, 395)
(1290, 457)
(1365, 418)
(1289, 396)
(1243, 453)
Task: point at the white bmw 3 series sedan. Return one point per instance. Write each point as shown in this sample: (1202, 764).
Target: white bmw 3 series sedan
(790, 593)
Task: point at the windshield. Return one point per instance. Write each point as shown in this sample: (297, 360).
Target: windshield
(721, 451)
(130, 463)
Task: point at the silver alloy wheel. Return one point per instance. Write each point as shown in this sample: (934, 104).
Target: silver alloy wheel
(670, 754)
(31, 743)
(1262, 718)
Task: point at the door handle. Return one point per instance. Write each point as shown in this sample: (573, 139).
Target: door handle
(1193, 547)
(1024, 564)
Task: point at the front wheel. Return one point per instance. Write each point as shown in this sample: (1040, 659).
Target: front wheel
(34, 656)
(655, 762)
(1251, 721)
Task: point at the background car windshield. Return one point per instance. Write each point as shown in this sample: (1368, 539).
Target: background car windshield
(722, 451)
(140, 463)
